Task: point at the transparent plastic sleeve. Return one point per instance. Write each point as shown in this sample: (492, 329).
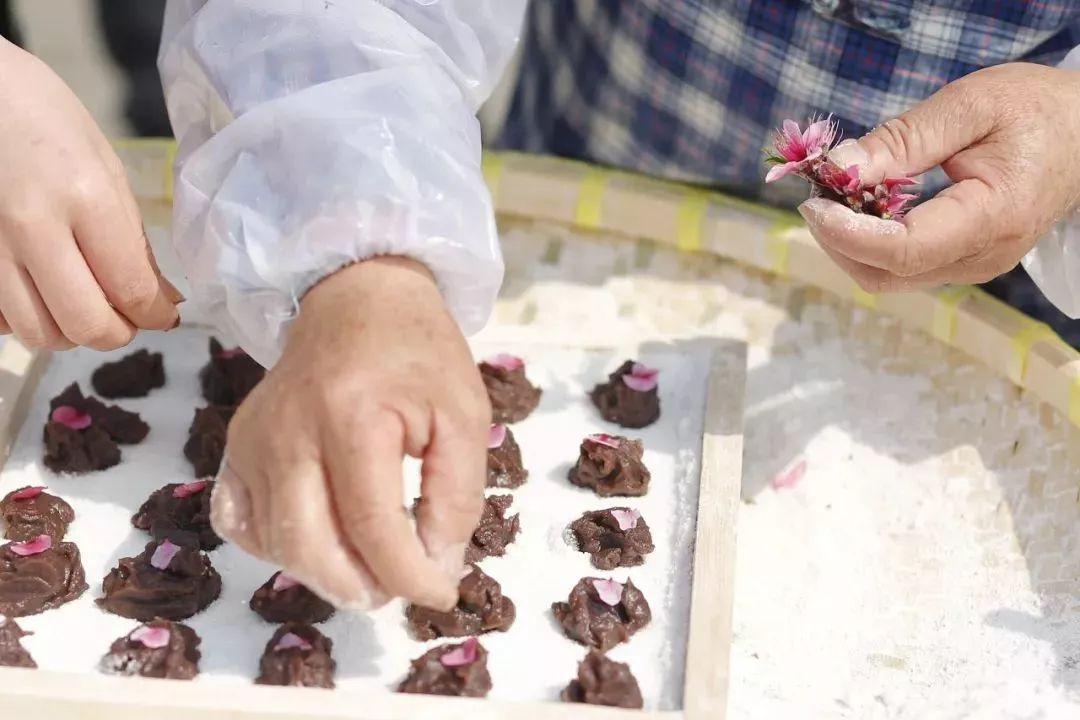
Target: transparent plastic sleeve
(1054, 262)
(316, 134)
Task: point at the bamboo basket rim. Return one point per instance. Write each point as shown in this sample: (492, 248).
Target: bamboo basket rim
(695, 219)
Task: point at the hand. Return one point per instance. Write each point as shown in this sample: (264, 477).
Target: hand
(374, 369)
(1009, 138)
(75, 266)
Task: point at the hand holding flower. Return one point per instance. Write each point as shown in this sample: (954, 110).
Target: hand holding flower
(1008, 137)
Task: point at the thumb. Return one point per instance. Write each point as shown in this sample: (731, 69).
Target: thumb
(925, 136)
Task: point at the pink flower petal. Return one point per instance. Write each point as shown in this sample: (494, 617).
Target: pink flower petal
(505, 361)
(231, 353)
(151, 637)
(32, 547)
(284, 582)
(609, 591)
(163, 554)
(496, 436)
(790, 477)
(819, 136)
(189, 489)
(72, 418)
(627, 519)
(289, 641)
(642, 378)
(27, 493)
(462, 655)
(603, 439)
(890, 183)
(778, 171)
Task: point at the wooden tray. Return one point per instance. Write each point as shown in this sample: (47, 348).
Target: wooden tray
(58, 696)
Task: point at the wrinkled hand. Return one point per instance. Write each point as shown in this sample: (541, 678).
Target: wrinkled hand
(75, 266)
(1009, 138)
(374, 369)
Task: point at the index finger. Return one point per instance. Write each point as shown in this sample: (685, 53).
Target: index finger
(115, 248)
(945, 229)
(364, 466)
(452, 489)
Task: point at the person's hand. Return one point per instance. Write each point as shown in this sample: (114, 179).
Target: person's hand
(1009, 138)
(75, 265)
(374, 368)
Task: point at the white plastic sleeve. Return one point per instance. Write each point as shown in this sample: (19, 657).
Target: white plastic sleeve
(317, 133)
(1054, 262)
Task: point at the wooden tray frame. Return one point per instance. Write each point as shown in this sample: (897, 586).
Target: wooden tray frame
(66, 696)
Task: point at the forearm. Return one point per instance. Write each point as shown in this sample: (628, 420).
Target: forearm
(313, 135)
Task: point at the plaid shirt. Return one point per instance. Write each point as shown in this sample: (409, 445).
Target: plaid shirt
(692, 89)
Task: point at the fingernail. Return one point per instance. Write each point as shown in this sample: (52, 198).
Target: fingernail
(812, 209)
(171, 292)
(848, 153)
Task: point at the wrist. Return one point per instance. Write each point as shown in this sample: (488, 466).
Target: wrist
(379, 277)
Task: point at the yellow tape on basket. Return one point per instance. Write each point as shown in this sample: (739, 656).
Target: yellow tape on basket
(170, 161)
(691, 219)
(778, 246)
(492, 166)
(1021, 344)
(946, 305)
(861, 297)
(591, 199)
(1074, 399)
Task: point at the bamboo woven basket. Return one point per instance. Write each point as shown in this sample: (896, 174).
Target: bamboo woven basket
(691, 220)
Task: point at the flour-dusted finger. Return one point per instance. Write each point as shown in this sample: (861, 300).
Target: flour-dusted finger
(942, 231)
(307, 540)
(238, 511)
(454, 476)
(73, 296)
(26, 312)
(364, 462)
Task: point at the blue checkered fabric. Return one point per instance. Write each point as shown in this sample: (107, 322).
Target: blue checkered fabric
(692, 89)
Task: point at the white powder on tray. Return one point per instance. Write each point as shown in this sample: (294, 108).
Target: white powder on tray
(532, 661)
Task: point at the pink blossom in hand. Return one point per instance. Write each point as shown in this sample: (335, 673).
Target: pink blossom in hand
(807, 154)
(795, 147)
